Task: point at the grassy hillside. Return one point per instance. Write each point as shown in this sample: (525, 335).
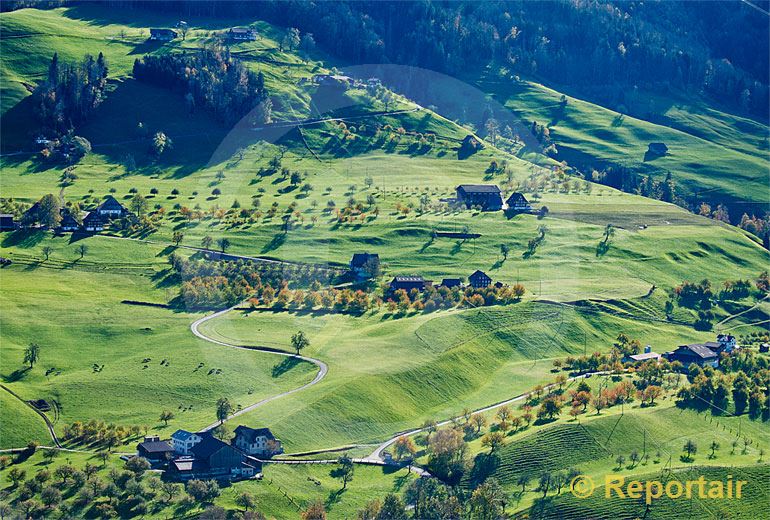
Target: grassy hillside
(106, 358)
(388, 375)
(713, 155)
(19, 425)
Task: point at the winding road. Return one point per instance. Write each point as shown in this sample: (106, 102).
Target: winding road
(376, 457)
(322, 367)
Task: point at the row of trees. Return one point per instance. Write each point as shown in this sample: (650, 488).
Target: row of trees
(211, 78)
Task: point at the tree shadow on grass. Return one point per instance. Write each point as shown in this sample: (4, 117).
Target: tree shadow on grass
(16, 375)
(334, 497)
(277, 241)
(284, 366)
(24, 238)
(484, 466)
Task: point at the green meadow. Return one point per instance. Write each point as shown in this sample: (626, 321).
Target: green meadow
(113, 349)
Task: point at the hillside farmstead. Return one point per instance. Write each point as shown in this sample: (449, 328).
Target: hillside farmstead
(163, 35)
(488, 197)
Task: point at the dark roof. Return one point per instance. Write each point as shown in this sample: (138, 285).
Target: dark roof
(699, 350)
(208, 446)
(517, 197)
(479, 188)
(92, 217)
(451, 282)
(479, 274)
(155, 446)
(252, 433)
(360, 259)
(111, 204)
(162, 31)
(182, 435)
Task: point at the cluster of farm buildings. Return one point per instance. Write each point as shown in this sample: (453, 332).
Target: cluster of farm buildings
(189, 455)
(363, 264)
(702, 354)
(89, 221)
(234, 33)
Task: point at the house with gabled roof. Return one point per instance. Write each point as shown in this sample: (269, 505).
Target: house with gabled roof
(479, 280)
(211, 458)
(518, 203)
(242, 33)
(408, 283)
(694, 353)
(256, 441)
(154, 449)
(183, 441)
(92, 222)
(111, 208)
(164, 35)
(486, 196)
(68, 221)
(364, 265)
(450, 283)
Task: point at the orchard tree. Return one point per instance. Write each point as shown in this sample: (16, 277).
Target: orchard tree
(177, 238)
(299, 341)
(224, 409)
(344, 471)
(166, 416)
(32, 354)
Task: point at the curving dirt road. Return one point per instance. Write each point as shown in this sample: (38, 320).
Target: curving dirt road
(322, 367)
(376, 455)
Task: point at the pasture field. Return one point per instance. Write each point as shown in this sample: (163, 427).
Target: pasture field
(388, 375)
(112, 347)
(20, 425)
(713, 154)
(121, 363)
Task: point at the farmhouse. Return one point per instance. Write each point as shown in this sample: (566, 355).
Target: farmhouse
(334, 80)
(479, 280)
(242, 33)
(486, 196)
(111, 208)
(68, 221)
(93, 222)
(211, 458)
(7, 222)
(154, 449)
(408, 283)
(364, 265)
(164, 35)
(695, 353)
(183, 441)
(256, 441)
(449, 283)
(518, 202)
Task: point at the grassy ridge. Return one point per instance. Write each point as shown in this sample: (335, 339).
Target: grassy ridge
(388, 375)
(712, 154)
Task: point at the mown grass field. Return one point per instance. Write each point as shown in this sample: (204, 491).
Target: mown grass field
(388, 375)
(20, 425)
(106, 358)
